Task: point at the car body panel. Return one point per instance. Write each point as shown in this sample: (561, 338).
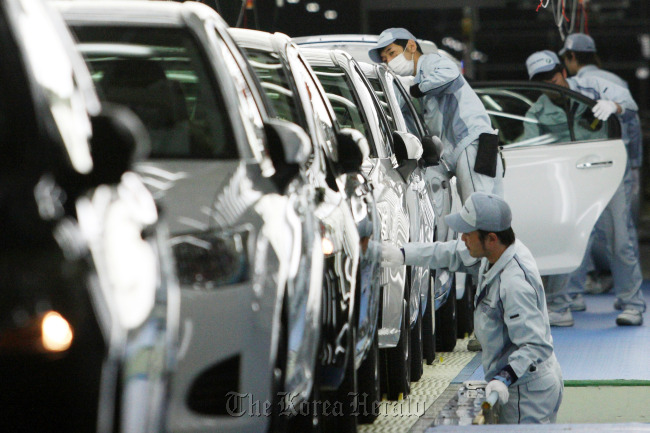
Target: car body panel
(343, 206)
(390, 187)
(422, 217)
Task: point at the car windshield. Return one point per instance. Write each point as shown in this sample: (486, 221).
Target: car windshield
(161, 75)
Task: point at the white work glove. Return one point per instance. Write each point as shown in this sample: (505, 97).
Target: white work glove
(603, 109)
(500, 388)
(391, 255)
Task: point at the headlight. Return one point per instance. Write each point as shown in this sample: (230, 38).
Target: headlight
(208, 261)
(56, 333)
(328, 246)
(47, 333)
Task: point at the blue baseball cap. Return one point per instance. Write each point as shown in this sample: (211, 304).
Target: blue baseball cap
(481, 211)
(386, 38)
(579, 42)
(541, 61)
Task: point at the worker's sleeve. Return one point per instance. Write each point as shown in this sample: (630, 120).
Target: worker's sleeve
(531, 125)
(613, 92)
(436, 75)
(525, 323)
(452, 255)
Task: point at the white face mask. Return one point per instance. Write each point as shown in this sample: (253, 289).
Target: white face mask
(401, 66)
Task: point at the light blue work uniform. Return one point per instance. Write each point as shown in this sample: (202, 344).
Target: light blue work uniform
(511, 323)
(614, 229)
(463, 119)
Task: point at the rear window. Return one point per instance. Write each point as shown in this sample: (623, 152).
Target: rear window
(161, 75)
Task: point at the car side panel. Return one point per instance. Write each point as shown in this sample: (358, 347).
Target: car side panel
(555, 204)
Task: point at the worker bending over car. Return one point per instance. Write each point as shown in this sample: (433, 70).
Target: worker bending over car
(509, 307)
(470, 144)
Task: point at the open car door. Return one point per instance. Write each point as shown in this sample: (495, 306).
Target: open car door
(562, 168)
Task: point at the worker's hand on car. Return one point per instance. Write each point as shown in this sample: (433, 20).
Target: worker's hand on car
(391, 255)
(500, 388)
(603, 109)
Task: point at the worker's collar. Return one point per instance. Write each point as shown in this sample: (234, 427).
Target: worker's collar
(498, 266)
(586, 69)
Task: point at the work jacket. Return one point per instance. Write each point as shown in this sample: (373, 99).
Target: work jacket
(444, 90)
(510, 316)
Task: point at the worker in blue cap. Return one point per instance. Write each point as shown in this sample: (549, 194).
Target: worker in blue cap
(613, 224)
(581, 60)
(510, 316)
(470, 146)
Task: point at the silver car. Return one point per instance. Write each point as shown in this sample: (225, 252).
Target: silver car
(246, 240)
(90, 302)
(297, 95)
(393, 161)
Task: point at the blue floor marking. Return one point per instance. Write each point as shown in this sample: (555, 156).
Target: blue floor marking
(468, 370)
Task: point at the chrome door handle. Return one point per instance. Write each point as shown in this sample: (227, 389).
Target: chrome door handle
(598, 164)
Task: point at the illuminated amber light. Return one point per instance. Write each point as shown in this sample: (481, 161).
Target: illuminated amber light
(56, 332)
(328, 246)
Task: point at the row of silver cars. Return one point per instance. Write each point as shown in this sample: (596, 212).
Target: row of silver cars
(232, 276)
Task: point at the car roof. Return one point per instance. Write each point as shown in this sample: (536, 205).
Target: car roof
(358, 45)
(131, 12)
(258, 39)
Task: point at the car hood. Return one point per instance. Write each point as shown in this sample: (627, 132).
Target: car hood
(196, 195)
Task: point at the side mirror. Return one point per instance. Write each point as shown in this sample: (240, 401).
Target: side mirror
(353, 149)
(119, 138)
(408, 151)
(431, 150)
(407, 146)
(290, 147)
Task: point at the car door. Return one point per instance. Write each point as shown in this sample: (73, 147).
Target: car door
(561, 169)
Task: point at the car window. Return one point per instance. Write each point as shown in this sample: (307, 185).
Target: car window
(280, 89)
(378, 114)
(383, 101)
(58, 70)
(533, 116)
(343, 100)
(161, 75)
(275, 82)
(413, 124)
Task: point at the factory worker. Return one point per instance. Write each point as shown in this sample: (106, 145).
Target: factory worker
(510, 309)
(613, 225)
(581, 60)
(470, 145)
